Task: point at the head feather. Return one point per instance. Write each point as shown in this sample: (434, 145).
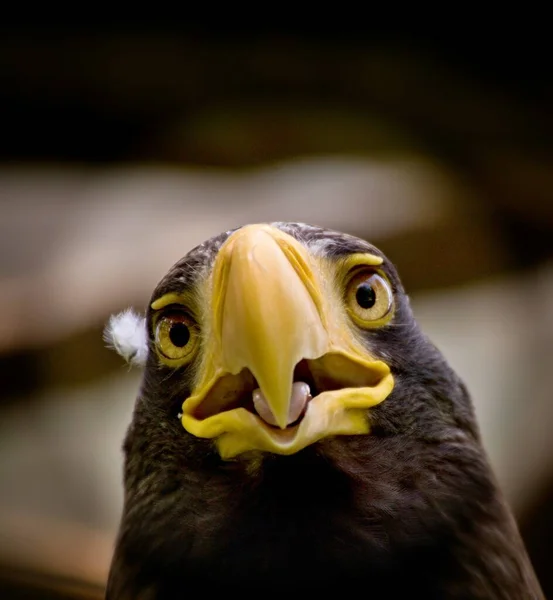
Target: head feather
(125, 333)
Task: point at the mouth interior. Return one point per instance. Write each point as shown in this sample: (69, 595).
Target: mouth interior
(330, 372)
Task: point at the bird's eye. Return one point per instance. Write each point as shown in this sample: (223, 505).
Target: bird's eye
(369, 298)
(176, 335)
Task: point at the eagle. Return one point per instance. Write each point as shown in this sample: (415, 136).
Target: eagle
(296, 432)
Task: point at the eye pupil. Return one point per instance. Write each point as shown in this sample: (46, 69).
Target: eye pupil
(365, 295)
(179, 334)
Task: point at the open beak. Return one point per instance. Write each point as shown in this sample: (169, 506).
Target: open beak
(282, 369)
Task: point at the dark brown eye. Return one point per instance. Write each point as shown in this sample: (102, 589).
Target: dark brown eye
(369, 297)
(176, 335)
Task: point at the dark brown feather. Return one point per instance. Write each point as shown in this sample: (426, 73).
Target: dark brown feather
(412, 509)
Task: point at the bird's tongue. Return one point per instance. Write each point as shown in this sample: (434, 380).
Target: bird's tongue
(298, 402)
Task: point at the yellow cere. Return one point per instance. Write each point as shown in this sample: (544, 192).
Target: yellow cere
(270, 304)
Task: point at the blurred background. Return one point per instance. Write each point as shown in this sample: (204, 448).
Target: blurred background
(122, 148)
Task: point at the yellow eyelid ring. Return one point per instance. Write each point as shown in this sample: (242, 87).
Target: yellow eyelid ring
(369, 297)
(366, 259)
(176, 336)
(179, 299)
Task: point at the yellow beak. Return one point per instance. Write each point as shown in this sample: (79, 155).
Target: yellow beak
(269, 313)
(269, 320)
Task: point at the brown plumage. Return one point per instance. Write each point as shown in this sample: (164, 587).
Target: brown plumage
(412, 508)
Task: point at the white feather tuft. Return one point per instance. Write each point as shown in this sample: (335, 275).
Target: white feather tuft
(126, 334)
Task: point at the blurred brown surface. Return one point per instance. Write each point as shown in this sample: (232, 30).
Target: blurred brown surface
(406, 206)
(26, 585)
(122, 150)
